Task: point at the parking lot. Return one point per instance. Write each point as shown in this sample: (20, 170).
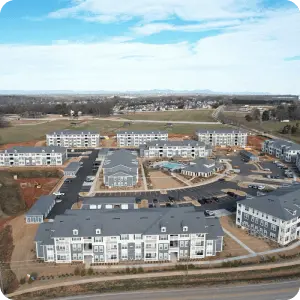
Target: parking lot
(238, 163)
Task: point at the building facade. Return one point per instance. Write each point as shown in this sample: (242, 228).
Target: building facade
(72, 168)
(185, 148)
(223, 137)
(275, 216)
(248, 156)
(281, 149)
(73, 138)
(131, 235)
(33, 156)
(137, 138)
(121, 169)
(298, 161)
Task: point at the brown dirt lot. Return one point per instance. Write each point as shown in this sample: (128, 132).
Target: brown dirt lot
(161, 180)
(31, 193)
(255, 141)
(231, 248)
(254, 243)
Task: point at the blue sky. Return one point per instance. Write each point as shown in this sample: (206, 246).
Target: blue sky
(222, 45)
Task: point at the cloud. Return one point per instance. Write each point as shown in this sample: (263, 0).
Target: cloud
(252, 57)
(152, 28)
(157, 10)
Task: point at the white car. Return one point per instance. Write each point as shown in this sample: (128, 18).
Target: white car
(261, 187)
(58, 194)
(210, 213)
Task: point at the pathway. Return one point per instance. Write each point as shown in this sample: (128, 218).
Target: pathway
(183, 180)
(93, 187)
(143, 175)
(154, 275)
(238, 241)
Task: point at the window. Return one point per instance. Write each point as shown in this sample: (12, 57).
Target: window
(166, 256)
(124, 246)
(273, 227)
(96, 258)
(163, 237)
(124, 237)
(75, 232)
(181, 243)
(266, 224)
(184, 235)
(137, 236)
(160, 256)
(74, 247)
(256, 220)
(96, 248)
(113, 256)
(185, 228)
(138, 246)
(161, 246)
(261, 223)
(246, 216)
(98, 231)
(163, 229)
(98, 239)
(74, 257)
(186, 243)
(166, 246)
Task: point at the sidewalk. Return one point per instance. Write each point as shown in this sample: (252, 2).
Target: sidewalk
(156, 275)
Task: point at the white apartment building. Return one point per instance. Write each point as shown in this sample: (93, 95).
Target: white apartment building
(223, 137)
(275, 216)
(137, 138)
(131, 235)
(73, 138)
(33, 156)
(185, 148)
(281, 149)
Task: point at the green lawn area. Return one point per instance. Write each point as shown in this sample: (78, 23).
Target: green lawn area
(27, 133)
(184, 115)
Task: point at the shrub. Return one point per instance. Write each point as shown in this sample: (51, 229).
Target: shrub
(83, 272)
(127, 270)
(77, 271)
(90, 271)
(30, 280)
(140, 270)
(23, 280)
(134, 270)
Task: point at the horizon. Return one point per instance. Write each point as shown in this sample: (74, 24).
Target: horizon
(224, 46)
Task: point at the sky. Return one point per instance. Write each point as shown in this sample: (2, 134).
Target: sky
(122, 45)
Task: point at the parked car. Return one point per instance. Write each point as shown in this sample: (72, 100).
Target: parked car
(267, 170)
(261, 187)
(58, 194)
(221, 179)
(209, 213)
(231, 194)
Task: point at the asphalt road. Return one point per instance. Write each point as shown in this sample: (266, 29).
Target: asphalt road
(71, 195)
(272, 291)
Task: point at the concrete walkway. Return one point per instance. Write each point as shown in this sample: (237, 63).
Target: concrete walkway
(93, 187)
(143, 175)
(238, 241)
(154, 275)
(183, 180)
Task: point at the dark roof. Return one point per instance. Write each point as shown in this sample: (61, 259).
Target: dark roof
(108, 200)
(202, 165)
(283, 203)
(41, 206)
(44, 234)
(72, 166)
(143, 221)
(278, 143)
(142, 132)
(247, 153)
(47, 149)
(68, 132)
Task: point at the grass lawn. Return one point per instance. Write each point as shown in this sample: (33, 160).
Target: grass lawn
(27, 133)
(271, 127)
(184, 115)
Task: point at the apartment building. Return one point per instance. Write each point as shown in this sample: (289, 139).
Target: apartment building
(137, 138)
(112, 236)
(185, 148)
(121, 169)
(33, 156)
(275, 216)
(298, 161)
(73, 138)
(282, 149)
(223, 137)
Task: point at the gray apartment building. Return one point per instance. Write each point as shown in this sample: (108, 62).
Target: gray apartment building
(281, 149)
(185, 148)
(73, 138)
(223, 137)
(33, 156)
(275, 216)
(140, 137)
(121, 169)
(113, 236)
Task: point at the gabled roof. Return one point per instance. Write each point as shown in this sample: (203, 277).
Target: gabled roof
(142, 132)
(108, 200)
(72, 167)
(229, 130)
(142, 221)
(41, 206)
(202, 165)
(161, 143)
(283, 203)
(44, 234)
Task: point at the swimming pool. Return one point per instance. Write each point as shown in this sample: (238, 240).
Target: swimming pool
(170, 165)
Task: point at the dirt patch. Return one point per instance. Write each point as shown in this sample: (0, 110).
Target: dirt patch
(254, 243)
(231, 248)
(237, 192)
(32, 188)
(255, 141)
(161, 180)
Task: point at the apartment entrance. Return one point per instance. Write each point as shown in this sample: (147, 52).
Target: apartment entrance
(88, 260)
(174, 257)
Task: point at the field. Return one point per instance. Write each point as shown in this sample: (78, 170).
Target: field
(184, 115)
(271, 127)
(21, 134)
(162, 181)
